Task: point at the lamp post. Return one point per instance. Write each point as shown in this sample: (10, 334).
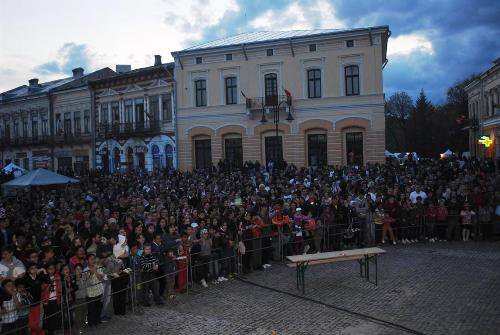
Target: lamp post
(276, 119)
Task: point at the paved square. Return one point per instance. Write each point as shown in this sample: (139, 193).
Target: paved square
(441, 288)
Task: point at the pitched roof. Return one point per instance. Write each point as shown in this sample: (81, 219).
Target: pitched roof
(267, 36)
(83, 81)
(25, 90)
(142, 70)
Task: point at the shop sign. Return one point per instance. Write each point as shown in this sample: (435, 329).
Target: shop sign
(40, 153)
(486, 141)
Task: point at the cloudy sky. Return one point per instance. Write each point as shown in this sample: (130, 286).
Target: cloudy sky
(433, 43)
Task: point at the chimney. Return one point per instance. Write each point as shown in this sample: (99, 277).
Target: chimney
(78, 72)
(123, 68)
(157, 60)
(33, 82)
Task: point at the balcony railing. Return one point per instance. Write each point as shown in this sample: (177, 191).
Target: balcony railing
(24, 141)
(70, 138)
(259, 103)
(125, 130)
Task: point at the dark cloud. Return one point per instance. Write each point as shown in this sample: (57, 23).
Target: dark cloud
(464, 35)
(70, 56)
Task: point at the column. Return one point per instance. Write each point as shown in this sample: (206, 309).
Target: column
(110, 117)
(121, 108)
(146, 110)
(133, 112)
(98, 113)
(160, 107)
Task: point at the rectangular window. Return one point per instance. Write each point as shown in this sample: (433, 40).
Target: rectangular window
(139, 111)
(59, 126)
(231, 89)
(314, 83)
(352, 80)
(349, 43)
(229, 57)
(316, 150)
(67, 124)
(312, 47)
(201, 92)
(199, 60)
(233, 148)
(128, 111)
(86, 121)
(270, 52)
(203, 153)
(104, 113)
(34, 128)
(271, 89)
(166, 105)
(78, 122)
(154, 108)
(45, 127)
(25, 127)
(115, 112)
(7, 130)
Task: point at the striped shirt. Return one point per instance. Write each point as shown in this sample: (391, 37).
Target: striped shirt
(9, 310)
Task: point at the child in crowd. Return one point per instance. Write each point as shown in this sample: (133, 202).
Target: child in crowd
(467, 214)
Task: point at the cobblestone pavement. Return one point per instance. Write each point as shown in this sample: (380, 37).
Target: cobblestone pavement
(441, 288)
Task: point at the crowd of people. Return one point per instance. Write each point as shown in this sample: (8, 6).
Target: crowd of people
(72, 256)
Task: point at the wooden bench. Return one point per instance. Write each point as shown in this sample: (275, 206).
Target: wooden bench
(364, 257)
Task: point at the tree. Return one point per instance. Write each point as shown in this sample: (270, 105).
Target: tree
(398, 110)
(421, 132)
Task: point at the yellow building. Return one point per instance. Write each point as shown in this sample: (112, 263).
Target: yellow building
(484, 113)
(326, 85)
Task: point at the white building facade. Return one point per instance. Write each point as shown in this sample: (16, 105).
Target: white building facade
(133, 117)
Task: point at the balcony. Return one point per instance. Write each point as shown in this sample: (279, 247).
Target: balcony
(70, 138)
(266, 102)
(7, 142)
(126, 130)
(255, 106)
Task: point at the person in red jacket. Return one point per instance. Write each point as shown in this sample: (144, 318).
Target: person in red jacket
(51, 299)
(430, 222)
(393, 209)
(441, 220)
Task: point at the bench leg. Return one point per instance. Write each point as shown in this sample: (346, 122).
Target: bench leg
(376, 270)
(301, 282)
(367, 262)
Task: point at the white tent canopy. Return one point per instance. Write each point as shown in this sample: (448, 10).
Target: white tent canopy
(11, 167)
(387, 153)
(39, 177)
(447, 153)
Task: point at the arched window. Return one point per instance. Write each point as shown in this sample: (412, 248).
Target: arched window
(155, 151)
(130, 158)
(314, 83)
(116, 159)
(169, 155)
(352, 80)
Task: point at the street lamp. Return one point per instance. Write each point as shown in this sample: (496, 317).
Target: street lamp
(276, 120)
